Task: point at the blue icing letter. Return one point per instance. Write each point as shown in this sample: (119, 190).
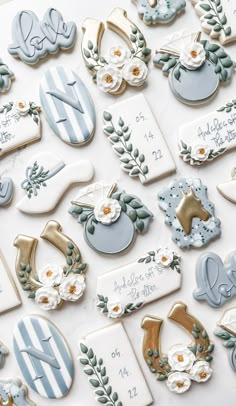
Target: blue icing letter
(67, 105)
(34, 39)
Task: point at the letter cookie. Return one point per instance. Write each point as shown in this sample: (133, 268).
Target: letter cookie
(196, 67)
(111, 219)
(189, 213)
(34, 39)
(6, 191)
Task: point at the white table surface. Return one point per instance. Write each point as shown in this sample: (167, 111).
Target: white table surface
(76, 320)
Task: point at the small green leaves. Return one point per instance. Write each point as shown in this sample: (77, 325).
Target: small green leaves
(107, 116)
(222, 61)
(83, 348)
(215, 16)
(161, 377)
(228, 107)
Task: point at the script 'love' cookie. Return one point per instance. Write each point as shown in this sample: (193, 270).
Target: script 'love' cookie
(195, 67)
(43, 356)
(182, 365)
(52, 284)
(189, 213)
(111, 218)
(14, 393)
(67, 106)
(47, 177)
(217, 18)
(122, 65)
(19, 125)
(124, 290)
(110, 364)
(34, 39)
(137, 140)
(6, 191)
(159, 11)
(227, 332)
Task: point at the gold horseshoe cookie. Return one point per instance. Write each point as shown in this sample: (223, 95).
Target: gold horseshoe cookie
(122, 65)
(183, 364)
(53, 284)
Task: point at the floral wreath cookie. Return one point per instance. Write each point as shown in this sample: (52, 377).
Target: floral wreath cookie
(183, 364)
(124, 64)
(111, 219)
(52, 284)
(195, 67)
(189, 213)
(159, 11)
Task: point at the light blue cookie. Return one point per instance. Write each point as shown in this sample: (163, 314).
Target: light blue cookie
(6, 77)
(34, 39)
(67, 106)
(162, 11)
(43, 357)
(227, 332)
(6, 191)
(189, 213)
(216, 281)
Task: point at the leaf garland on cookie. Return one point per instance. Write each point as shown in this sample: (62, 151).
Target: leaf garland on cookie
(215, 16)
(21, 108)
(186, 152)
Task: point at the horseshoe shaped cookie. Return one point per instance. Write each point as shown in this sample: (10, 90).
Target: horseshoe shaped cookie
(111, 219)
(52, 284)
(159, 11)
(183, 364)
(195, 67)
(123, 65)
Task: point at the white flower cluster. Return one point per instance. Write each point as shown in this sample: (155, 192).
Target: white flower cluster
(186, 368)
(121, 66)
(107, 211)
(21, 106)
(57, 287)
(200, 152)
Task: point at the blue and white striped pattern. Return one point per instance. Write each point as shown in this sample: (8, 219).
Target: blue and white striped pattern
(67, 106)
(51, 377)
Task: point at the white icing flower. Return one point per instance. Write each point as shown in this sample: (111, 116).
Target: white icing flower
(118, 56)
(109, 79)
(200, 152)
(135, 72)
(72, 288)
(164, 257)
(193, 56)
(107, 211)
(180, 358)
(21, 106)
(115, 310)
(50, 275)
(197, 240)
(47, 297)
(178, 382)
(200, 372)
(210, 223)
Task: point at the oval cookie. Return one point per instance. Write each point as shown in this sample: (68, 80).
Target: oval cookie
(67, 105)
(43, 357)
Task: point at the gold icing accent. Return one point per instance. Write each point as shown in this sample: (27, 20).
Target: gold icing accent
(189, 207)
(93, 31)
(153, 3)
(106, 210)
(194, 55)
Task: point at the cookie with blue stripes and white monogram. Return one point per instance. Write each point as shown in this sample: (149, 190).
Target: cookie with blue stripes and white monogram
(43, 357)
(67, 106)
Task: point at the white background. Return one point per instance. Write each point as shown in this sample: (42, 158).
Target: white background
(76, 320)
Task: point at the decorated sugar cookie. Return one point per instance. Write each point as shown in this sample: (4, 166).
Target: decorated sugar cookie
(137, 140)
(182, 365)
(43, 357)
(67, 106)
(217, 18)
(228, 189)
(52, 284)
(112, 369)
(9, 296)
(123, 64)
(111, 218)
(159, 11)
(189, 213)
(216, 281)
(122, 291)
(6, 191)
(227, 332)
(6, 77)
(34, 39)
(14, 393)
(195, 67)
(209, 136)
(3, 352)
(47, 177)
(19, 125)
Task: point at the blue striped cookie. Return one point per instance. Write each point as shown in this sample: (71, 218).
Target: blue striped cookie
(67, 106)
(43, 357)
